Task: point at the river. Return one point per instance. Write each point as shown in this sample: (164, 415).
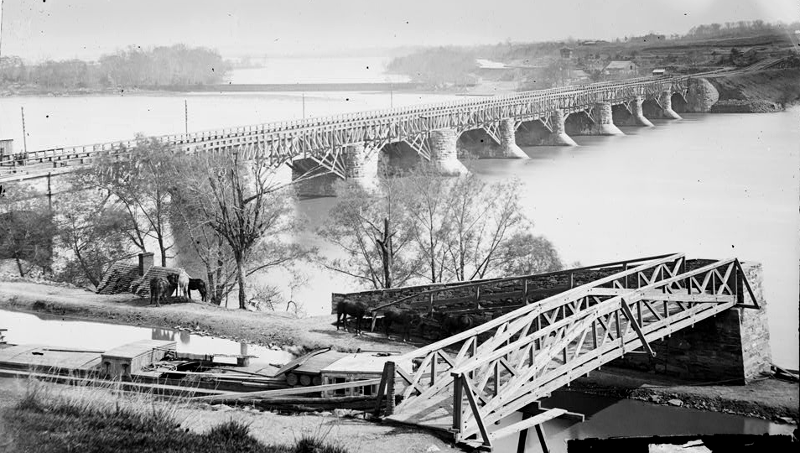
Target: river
(713, 186)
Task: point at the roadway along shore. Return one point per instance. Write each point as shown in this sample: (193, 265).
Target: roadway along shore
(770, 399)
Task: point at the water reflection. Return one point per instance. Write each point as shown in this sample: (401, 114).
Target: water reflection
(163, 334)
(608, 417)
(25, 328)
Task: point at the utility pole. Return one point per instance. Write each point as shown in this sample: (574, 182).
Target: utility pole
(24, 134)
(186, 116)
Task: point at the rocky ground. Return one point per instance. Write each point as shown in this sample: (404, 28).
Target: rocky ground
(769, 399)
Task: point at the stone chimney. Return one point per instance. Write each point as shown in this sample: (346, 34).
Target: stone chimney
(145, 262)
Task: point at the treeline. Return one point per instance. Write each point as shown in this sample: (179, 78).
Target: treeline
(437, 67)
(739, 29)
(132, 67)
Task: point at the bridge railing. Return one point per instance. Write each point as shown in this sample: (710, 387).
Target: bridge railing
(272, 131)
(519, 358)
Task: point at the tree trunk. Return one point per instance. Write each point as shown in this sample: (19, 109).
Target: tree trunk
(19, 266)
(240, 277)
(163, 251)
(388, 254)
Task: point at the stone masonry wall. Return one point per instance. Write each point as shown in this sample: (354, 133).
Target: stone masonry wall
(732, 347)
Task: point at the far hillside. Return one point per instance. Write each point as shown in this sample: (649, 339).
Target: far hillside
(524, 66)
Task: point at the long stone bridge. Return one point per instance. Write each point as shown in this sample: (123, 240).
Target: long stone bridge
(349, 146)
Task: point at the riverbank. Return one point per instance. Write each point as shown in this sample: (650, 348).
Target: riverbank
(768, 90)
(768, 399)
(263, 328)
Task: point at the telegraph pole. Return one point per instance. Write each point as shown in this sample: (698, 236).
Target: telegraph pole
(186, 116)
(24, 134)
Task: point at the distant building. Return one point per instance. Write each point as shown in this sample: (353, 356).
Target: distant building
(621, 68)
(659, 72)
(566, 52)
(489, 64)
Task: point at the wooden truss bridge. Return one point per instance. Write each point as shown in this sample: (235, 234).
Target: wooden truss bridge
(323, 139)
(466, 383)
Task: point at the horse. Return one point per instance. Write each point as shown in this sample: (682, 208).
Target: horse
(354, 309)
(404, 318)
(159, 288)
(180, 283)
(453, 324)
(198, 284)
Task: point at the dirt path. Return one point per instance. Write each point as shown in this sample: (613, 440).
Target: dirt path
(254, 327)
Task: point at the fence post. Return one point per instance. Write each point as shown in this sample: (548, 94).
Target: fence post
(389, 371)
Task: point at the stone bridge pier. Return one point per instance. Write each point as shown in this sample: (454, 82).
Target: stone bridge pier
(630, 114)
(478, 142)
(444, 156)
(536, 133)
(596, 121)
(660, 108)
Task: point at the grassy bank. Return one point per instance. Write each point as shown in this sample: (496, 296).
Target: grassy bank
(49, 419)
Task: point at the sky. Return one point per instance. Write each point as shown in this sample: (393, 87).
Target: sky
(59, 29)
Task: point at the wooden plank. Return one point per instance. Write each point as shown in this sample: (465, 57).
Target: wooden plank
(527, 423)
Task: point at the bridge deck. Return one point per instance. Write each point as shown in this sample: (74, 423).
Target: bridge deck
(465, 383)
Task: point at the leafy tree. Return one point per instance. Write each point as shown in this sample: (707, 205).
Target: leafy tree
(241, 202)
(27, 230)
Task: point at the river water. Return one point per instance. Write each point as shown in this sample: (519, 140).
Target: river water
(25, 328)
(712, 186)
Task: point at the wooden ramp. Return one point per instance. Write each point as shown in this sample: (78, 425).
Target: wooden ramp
(466, 383)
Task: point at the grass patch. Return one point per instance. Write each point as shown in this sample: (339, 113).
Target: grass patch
(48, 419)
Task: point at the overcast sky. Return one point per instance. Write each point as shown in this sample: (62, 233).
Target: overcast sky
(36, 29)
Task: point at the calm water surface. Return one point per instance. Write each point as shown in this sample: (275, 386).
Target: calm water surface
(25, 328)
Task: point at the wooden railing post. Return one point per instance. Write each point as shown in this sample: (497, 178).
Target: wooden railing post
(457, 400)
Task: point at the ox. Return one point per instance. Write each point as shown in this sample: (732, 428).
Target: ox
(354, 309)
(160, 288)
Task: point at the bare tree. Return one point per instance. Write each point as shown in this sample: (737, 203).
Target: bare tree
(371, 228)
(241, 201)
(90, 229)
(431, 228)
(27, 230)
(141, 183)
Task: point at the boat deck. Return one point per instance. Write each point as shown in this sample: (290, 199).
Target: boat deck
(41, 356)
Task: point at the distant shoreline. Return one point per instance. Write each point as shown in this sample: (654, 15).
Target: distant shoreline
(30, 90)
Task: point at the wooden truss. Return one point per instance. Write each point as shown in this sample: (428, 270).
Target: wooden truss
(473, 379)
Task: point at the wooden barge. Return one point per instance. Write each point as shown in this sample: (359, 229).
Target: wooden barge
(321, 379)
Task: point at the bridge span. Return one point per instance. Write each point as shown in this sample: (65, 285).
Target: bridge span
(466, 383)
(347, 146)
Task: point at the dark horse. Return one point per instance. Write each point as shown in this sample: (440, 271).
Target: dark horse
(404, 318)
(197, 284)
(160, 288)
(354, 309)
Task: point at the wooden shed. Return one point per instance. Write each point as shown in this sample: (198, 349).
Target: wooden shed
(130, 358)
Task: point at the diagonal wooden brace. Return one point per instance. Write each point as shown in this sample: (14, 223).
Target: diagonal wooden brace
(636, 327)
